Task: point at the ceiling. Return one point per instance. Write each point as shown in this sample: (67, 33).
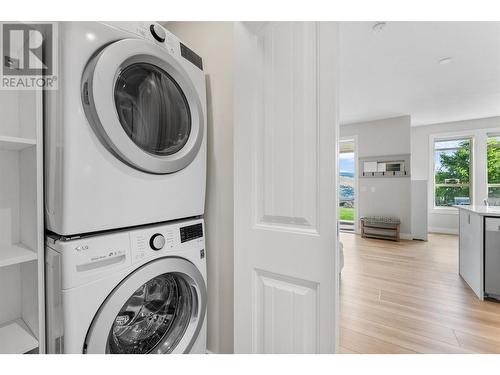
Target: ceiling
(396, 71)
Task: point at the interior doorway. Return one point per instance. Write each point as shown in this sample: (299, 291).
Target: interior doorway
(348, 188)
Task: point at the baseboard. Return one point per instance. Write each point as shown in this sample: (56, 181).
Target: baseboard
(209, 352)
(443, 230)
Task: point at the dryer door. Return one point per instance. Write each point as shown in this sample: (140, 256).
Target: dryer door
(143, 106)
(159, 308)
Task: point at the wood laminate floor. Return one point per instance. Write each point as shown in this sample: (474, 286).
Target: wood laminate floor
(407, 297)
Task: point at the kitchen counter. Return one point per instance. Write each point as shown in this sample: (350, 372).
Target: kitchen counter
(479, 257)
(482, 210)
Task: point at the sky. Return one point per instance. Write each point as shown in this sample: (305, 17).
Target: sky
(346, 162)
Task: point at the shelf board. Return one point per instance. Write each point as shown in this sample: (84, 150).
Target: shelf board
(380, 228)
(16, 338)
(14, 254)
(15, 143)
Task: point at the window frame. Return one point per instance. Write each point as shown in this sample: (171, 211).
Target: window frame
(488, 185)
(457, 136)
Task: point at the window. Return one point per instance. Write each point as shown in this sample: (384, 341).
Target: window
(452, 172)
(493, 157)
(347, 190)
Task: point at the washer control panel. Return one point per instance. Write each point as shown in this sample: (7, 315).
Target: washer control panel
(160, 240)
(191, 232)
(146, 242)
(86, 258)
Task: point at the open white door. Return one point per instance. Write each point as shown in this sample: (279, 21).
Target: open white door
(285, 142)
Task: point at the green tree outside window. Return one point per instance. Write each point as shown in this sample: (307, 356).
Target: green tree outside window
(493, 159)
(452, 172)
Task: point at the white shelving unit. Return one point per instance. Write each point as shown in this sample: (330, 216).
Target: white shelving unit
(17, 338)
(22, 310)
(15, 143)
(15, 254)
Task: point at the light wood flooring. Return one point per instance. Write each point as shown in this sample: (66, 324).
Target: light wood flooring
(407, 297)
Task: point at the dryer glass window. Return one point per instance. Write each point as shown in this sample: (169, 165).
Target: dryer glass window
(155, 317)
(152, 109)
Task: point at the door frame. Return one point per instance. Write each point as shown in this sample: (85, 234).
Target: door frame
(353, 138)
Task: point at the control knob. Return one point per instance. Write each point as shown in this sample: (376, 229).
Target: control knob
(157, 241)
(158, 32)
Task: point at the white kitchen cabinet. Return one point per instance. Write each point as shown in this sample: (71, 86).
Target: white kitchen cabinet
(471, 253)
(22, 317)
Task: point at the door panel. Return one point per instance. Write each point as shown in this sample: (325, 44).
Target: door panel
(277, 330)
(286, 140)
(286, 130)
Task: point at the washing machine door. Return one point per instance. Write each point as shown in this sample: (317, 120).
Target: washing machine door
(159, 308)
(143, 106)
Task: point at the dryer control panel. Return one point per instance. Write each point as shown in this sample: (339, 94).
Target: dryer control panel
(162, 37)
(153, 32)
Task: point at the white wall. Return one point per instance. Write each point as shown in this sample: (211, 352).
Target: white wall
(383, 196)
(446, 221)
(214, 42)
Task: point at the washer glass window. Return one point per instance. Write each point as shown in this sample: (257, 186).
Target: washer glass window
(157, 313)
(152, 109)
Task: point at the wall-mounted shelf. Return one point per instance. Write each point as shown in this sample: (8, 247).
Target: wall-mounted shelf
(16, 338)
(15, 254)
(15, 143)
(386, 174)
(370, 167)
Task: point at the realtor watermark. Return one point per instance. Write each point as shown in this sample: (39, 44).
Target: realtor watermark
(29, 56)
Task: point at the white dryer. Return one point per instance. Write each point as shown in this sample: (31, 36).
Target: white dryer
(125, 132)
(128, 292)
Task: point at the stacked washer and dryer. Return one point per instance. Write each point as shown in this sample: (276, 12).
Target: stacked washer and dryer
(125, 174)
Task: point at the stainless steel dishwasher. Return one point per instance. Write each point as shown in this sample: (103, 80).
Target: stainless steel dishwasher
(492, 258)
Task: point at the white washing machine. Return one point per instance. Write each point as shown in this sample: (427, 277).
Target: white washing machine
(125, 132)
(128, 292)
